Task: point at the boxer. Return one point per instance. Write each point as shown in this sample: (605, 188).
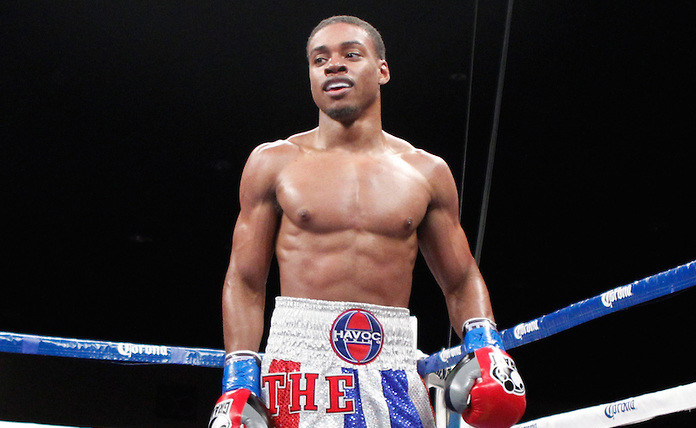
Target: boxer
(345, 208)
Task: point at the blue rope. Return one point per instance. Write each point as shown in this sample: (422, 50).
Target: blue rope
(635, 293)
(644, 290)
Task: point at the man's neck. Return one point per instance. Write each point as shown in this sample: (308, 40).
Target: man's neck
(362, 134)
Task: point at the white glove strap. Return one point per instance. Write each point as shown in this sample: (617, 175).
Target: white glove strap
(242, 355)
(473, 323)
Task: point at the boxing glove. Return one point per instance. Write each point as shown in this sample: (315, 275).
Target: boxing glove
(485, 387)
(240, 404)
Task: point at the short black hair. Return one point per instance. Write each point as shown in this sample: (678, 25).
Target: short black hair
(347, 19)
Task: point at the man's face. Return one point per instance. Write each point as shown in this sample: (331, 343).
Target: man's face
(345, 72)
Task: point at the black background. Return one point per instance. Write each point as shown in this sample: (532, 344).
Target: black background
(125, 126)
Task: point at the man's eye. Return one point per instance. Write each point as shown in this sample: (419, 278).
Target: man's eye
(319, 60)
(352, 55)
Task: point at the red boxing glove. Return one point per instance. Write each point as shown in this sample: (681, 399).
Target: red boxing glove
(240, 405)
(239, 408)
(498, 399)
(485, 386)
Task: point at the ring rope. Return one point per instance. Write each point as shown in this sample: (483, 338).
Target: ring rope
(623, 412)
(641, 291)
(110, 351)
(9, 424)
(662, 284)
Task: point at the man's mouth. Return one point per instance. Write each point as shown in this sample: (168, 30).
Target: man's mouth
(337, 84)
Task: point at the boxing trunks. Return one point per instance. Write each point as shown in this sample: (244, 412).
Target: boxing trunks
(341, 364)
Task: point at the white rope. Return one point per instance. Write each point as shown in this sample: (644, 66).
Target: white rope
(28, 425)
(625, 412)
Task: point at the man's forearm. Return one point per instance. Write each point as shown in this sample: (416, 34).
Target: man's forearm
(470, 300)
(242, 316)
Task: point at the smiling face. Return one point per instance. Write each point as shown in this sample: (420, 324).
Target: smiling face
(345, 72)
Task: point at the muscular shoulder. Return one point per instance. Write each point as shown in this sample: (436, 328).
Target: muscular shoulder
(263, 166)
(276, 151)
(432, 167)
(268, 158)
(434, 170)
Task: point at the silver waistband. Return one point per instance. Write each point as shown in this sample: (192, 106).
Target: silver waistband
(301, 331)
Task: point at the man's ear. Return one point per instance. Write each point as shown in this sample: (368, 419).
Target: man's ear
(384, 71)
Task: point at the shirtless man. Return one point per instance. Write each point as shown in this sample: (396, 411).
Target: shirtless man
(346, 207)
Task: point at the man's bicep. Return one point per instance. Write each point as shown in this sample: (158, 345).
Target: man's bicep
(244, 290)
(441, 238)
(255, 230)
(253, 238)
(445, 248)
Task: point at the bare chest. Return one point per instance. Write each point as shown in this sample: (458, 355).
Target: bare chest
(379, 194)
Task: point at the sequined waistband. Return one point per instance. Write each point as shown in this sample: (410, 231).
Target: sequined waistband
(319, 330)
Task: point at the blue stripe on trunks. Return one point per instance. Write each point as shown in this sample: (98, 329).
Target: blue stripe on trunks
(402, 411)
(357, 418)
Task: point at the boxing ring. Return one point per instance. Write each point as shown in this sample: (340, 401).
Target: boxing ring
(624, 411)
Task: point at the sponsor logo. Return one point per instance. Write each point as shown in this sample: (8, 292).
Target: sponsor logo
(622, 407)
(616, 294)
(524, 328)
(129, 349)
(220, 417)
(357, 336)
(504, 371)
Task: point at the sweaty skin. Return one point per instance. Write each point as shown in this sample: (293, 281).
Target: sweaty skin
(345, 207)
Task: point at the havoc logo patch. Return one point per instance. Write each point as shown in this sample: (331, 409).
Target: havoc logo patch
(356, 336)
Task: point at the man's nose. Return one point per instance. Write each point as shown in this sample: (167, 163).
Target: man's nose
(335, 66)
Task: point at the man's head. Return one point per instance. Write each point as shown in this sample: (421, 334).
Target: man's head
(375, 37)
(346, 68)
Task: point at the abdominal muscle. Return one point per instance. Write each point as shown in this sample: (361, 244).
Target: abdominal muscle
(346, 265)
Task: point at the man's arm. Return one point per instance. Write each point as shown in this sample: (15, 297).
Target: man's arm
(446, 250)
(244, 290)
(484, 387)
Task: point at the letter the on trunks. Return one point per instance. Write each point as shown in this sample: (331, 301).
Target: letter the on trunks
(274, 381)
(337, 386)
(307, 392)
